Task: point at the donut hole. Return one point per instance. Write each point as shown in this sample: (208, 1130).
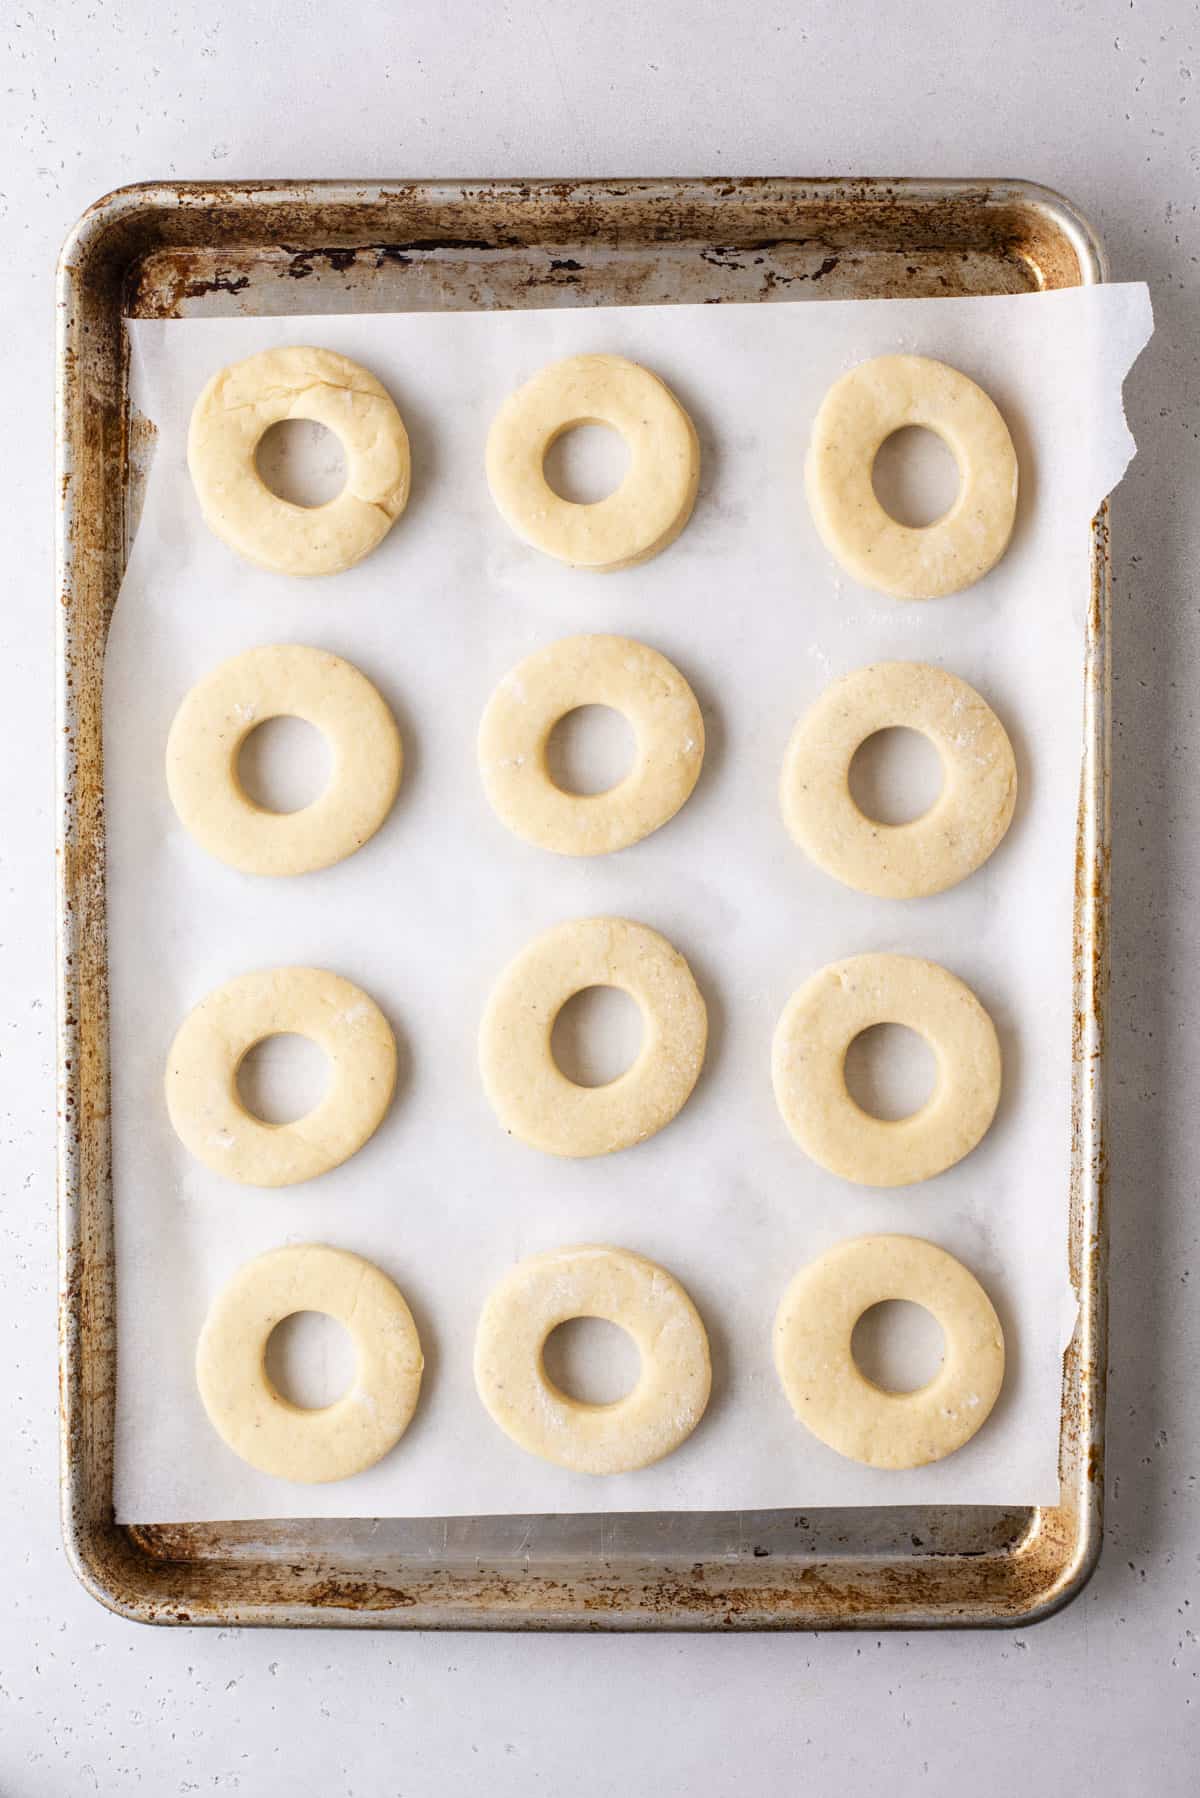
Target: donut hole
(895, 776)
(284, 764)
(597, 1035)
(301, 461)
(310, 1359)
(283, 1078)
(890, 1071)
(586, 463)
(590, 750)
(915, 477)
(592, 1361)
(898, 1346)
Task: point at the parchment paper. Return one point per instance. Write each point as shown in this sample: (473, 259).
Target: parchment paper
(757, 615)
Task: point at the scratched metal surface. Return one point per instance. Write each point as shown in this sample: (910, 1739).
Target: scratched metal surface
(191, 250)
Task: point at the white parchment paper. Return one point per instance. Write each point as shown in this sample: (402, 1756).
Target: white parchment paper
(758, 617)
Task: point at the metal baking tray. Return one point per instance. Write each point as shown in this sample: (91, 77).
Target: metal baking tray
(190, 250)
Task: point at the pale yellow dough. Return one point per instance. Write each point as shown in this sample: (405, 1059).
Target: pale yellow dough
(229, 419)
(848, 1412)
(536, 1296)
(579, 671)
(531, 1097)
(822, 1019)
(857, 415)
(214, 1039)
(216, 717)
(958, 832)
(257, 1422)
(653, 502)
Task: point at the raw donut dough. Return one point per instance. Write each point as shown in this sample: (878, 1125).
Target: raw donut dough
(216, 717)
(964, 824)
(257, 1422)
(528, 703)
(547, 1290)
(858, 414)
(531, 1097)
(822, 1019)
(653, 502)
(215, 1038)
(235, 410)
(844, 1409)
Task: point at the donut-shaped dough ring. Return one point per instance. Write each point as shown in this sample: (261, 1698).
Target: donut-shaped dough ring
(822, 1019)
(235, 410)
(289, 1441)
(848, 1412)
(964, 824)
(858, 414)
(653, 502)
(220, 712)
(520, 719)
(531, 1097)
(673, 1386)
(213, 1041)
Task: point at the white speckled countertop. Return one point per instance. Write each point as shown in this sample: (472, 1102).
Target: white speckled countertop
(1101, 101)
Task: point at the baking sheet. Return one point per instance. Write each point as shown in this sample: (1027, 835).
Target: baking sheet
(757, 616)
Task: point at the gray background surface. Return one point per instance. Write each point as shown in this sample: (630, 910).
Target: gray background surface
(1100, 100)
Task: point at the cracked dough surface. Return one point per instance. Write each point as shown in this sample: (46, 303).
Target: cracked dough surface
(857, 415)
(221, 711)
(819, 1023)
(532, 1097)
(290, 1441)
(544, 1291)
(241, 403)
(590, 670)
(214, 1039)
(958, 832)
(814, 1328)
(653, 502)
